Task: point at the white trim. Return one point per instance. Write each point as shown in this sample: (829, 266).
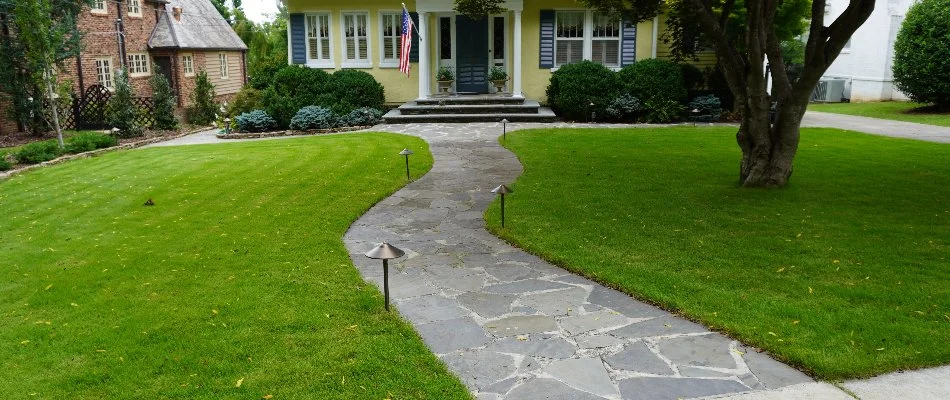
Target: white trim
(424, 59)
(327, 62)
(656, 31)
(100, 11)
(383, 61)
(110, 83)
(223, 66)
(358, 63)
(516, 81)
(183, 64)
(128, 8)
(448, 6)
(132, 65)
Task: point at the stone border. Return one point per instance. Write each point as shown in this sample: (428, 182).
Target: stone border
(261, 135)
(94, 153)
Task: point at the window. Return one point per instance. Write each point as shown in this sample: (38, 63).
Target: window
(355, 40)
(104, 72)
(135, 8)
(188, 64)
(318, 40)
(223, 65)
(138, 65)
(569, 37)
(445, 38)
(605, 44)
(391, 33)
(99, 7)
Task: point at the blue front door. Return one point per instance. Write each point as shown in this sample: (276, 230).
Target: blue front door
(472, 52)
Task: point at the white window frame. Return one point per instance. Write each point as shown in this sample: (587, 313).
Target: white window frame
(138, 70)
(110, 82)
(397, 46)
(358, 62)
(327, 61)
(188, 67)
(618, 39)
(223, 67)
(96, 10)
(583, 39)
(134, 8)
(588, 37)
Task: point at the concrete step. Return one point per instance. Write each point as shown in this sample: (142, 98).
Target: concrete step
(413, 108)
(397, 117)
(477, 99)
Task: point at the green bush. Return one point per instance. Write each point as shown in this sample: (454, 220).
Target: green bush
(121, 112)
(204, 107)
(247, 100)
(163, 100)
(38, 152)
(313, 117)
(89, 141)
(693, 78)
(293, 88)
(4, 164)
(255, 121)
(261, 75)
(364, 116)
(624, 108)
(351, 89)
(662, 111)
(653, 79)
(921, 51)
(705, 109)
(575, 86)
(716, 82)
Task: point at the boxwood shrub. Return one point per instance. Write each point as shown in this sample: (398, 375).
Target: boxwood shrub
(653, 79)
(38, 152)
(255, 121)
(4, 164)
(575, 86)
(89, 141)
(350, 89)
(313, 117)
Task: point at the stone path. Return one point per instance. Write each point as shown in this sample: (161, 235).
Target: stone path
(513, 326)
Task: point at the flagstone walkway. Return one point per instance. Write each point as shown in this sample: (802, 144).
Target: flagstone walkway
(515, 327)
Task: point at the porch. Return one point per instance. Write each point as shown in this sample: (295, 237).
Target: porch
(470, 108)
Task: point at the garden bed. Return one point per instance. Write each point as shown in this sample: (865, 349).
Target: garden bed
(260, 135)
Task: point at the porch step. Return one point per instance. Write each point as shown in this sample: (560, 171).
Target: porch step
(544, 114)
(525, 107)
(480, 99)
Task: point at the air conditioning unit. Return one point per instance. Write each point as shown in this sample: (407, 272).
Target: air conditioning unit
(829, 91)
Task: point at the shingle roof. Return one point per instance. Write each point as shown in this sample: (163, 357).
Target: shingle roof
(200, 27)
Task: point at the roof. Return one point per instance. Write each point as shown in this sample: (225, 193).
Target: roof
(200, 27)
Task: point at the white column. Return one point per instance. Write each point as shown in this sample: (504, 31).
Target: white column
(424, 55)
(517, 56)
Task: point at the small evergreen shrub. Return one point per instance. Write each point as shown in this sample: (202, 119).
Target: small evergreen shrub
(247, 100)
(89, 141)
(261, 74)
(255, 121)
(4, 164)
(364, 116)
(653, 78)
(662, 111)
(37, 152)
(693, 78)
(163, 101)
(350, 89)
(313, 117)
(921, 51)
(121, 112)
(716, 82)
(204, 107)
(575, 86)
(293, 88)
(705, 109)
(624, 108)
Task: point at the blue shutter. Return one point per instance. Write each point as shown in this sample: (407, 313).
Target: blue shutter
(298, 39)
(414, 51)
(628, 43)
(547, 38)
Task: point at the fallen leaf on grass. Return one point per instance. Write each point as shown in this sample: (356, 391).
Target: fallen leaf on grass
(810, 290)
(239, 382)
(48, 287)
(268, 397)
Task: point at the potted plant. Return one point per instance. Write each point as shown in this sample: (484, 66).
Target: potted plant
(445, 76)
(498, 76)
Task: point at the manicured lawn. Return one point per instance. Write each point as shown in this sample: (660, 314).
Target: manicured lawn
(894, 110)
(235, 284)
(845, 273)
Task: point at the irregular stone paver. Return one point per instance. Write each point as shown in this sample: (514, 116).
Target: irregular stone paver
(528, 329)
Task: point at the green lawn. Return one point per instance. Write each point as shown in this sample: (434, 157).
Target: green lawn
(236, 284)
(844, 273)
(894, 110)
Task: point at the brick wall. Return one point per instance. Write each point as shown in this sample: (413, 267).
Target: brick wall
(225, 89)
(7, 124)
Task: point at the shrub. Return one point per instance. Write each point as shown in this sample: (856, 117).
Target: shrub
(313, 117)
(203, 106)
(662, 111)
(247, 100)
(364, 116)
(653, 79)
(293, 88)
(624, 108)
(121, 112)
(705, 109)
(575, 86)
(255, 121)
(351, 89)
(716, 81)
(38, 152)
(921, 52)
(4, 164)
(261, 74)
(163, 101)
(693, 78)
(89, 141)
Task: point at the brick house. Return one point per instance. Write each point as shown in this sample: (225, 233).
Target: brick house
(178, 38)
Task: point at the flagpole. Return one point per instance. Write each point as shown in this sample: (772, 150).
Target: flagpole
(412, 23)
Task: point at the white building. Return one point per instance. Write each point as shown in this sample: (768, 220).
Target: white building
(865, 63)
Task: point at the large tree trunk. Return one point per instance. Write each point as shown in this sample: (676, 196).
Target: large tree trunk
(768, 149)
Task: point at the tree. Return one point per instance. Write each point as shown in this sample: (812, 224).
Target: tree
(163, 100)
(203, 107)
(122, 113)
(921, 52)
(223, 9)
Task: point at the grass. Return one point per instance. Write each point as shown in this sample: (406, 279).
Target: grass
(893, 110)
(235, 284)
(844, 273)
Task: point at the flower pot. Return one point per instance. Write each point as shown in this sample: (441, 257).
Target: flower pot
(445, 86)
(499, 85)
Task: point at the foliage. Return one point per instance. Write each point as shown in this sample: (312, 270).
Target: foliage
(624, 108)
(364, 116)
(203, 104)
(717, 84)
(662, 111)
(653, 79)
(314, 117)
(121, 113)
(693, 77)
(293, 88)
(255, 121)
(163, 101)
(261, 74)
(266, 42)
(922, 51)
(247, 100)
(89, 141)
(893, 110)
(37, 152)
(575, 87)
(478, 9)
(350, 89)
(4, 164)
(497, 74)
(705, 109)
(445, 73)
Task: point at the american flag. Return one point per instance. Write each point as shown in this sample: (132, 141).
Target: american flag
(406, 42)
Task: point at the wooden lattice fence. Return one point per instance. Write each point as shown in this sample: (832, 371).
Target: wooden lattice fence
(89, 111)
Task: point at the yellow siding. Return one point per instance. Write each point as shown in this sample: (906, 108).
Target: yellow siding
(707, 59)
(235, 79)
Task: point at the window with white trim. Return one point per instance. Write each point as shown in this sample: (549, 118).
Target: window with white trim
(104, 72)
(319, 51)
(188, 64)
(135, 8)
(391, 36)
(605, 43)
(138, 65)
(356, 39)
(99, 7)
(223, 65)
(569, 37)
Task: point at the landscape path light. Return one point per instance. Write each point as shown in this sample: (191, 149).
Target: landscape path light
(115, 131)
(502, 190)
(504, 129)
(406, 152)
(227, 126)
(385, 251)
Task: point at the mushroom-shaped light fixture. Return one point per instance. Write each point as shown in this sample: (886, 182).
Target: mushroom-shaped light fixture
(385, 251)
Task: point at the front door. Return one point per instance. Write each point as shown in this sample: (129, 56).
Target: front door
(472, 52)
(164, 66)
